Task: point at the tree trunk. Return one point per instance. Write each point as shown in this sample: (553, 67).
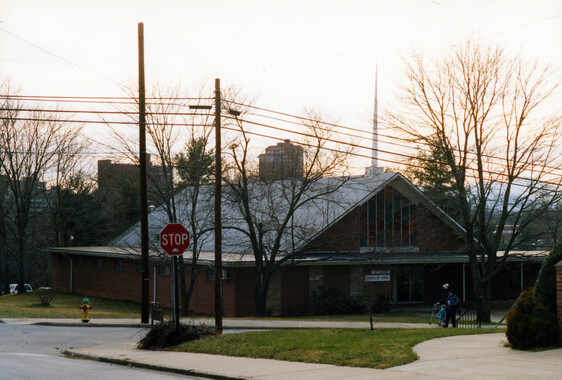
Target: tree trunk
(189, 292)
(262, 286)
(21, 252)
(4, 255)
(483, 300)
(183, 288)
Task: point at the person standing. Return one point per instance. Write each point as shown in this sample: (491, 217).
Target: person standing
(444, 294)
(452, 307)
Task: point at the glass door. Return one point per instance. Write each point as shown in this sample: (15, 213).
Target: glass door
(409, 283)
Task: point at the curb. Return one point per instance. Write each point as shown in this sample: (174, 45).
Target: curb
(154, 367)
(72, 324)
(145, 325)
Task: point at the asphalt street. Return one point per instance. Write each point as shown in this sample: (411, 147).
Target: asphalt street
(33, 352)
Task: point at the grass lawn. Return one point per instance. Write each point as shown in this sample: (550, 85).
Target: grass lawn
(381, 348)
(28, 305)
(392, 316)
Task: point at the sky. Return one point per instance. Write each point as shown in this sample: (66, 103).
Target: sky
(287, 55)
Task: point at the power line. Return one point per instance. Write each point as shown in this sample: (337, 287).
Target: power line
(46, 111)
(96, 121)
(106, 122)
(468, 175)
(57, 97)
(371, 138)
(100, 100)
(64, 59)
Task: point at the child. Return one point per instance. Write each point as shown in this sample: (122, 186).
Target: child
(441, 315)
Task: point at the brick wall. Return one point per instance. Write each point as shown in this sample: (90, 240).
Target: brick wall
(315, 281)
(434, 235)
(294, 291)
(559, 298)
(357, 280)
(124, 283)
(244, 286)
(344, 236)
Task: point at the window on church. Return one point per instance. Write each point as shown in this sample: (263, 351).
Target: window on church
(97, 262)
(390, 220)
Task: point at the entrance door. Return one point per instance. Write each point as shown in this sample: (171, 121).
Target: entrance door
(409, 283)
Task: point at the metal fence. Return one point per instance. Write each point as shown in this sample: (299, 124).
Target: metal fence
(468, 319)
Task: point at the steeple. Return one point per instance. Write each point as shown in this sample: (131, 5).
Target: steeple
(374, 168)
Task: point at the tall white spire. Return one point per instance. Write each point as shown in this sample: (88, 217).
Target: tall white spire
(374, 168)
(375, 151)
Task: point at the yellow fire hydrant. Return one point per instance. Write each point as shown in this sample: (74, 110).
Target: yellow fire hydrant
(85, 307)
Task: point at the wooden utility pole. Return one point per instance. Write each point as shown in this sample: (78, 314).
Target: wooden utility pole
(143, 181)
(218, 216)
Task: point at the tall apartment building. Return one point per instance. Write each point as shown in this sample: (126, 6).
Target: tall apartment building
(281, 161)
(112, 177)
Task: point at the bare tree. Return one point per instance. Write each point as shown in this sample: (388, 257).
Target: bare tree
(265, 208)
(196, 170)
(29, 144)
(4, 249)
(553, 224)
(477, 107)
(68, 174)
(171, 127)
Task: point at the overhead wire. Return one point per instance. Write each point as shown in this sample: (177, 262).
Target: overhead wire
(371, 148)
(292, 116)
(353, 145)
(370, 137)
(121, 86)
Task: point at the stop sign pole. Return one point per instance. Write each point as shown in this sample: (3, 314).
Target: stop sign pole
(174, 240)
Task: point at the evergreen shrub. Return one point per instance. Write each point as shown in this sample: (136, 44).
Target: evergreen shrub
(545, 286)
(384, 304)
(328, 301)
(530, 324)
(164, 335)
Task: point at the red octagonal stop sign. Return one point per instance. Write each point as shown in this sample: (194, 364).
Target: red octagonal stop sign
(174, 239)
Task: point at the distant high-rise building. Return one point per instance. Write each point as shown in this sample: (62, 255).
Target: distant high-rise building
(113, 178)
(281, 161)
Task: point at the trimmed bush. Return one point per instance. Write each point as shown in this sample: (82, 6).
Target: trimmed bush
(46, 295)
(530, 324)
(545, 286)
(328, 301)
(384, 304)
(164, 335)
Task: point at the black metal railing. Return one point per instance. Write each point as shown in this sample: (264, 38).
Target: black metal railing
(468, 319)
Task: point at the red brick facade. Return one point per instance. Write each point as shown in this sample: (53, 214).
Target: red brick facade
(338, 260)
(99, 277)
(344, 236)
(559, 299)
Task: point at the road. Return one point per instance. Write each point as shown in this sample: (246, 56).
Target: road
(33, 352)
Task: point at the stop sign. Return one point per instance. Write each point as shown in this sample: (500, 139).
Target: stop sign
(174, 239)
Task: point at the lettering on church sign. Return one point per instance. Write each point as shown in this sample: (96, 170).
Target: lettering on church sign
(378, 276)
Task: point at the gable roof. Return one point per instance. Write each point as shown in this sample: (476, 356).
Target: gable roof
(309, 221)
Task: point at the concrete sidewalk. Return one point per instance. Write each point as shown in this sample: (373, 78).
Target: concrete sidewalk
(482, 357)
(457, 357)
(227, 323)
